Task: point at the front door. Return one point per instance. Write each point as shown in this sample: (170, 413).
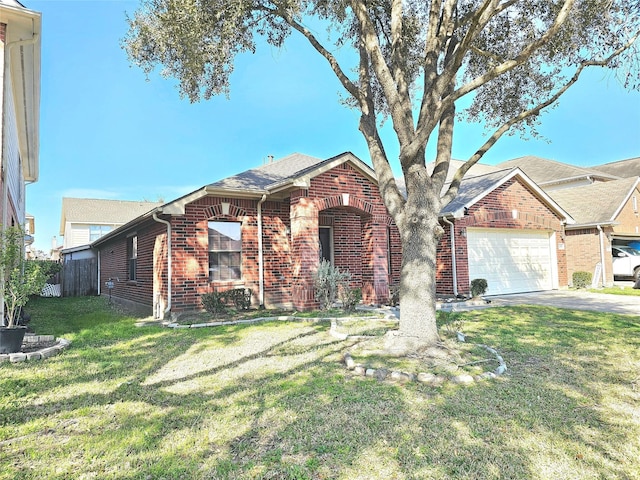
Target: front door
(325, 241)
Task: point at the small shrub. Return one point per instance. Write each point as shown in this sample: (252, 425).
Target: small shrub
(394, 295)
(20, 278)
(214, 302)
(241, 298)
(450, 321)
(581, 279)
(350, 297)
(326, 282)
(478, 287)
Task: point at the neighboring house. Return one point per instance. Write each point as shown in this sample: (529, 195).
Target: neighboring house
(622, 168)
(84, 220)
(267, 229)
(606, 214)
(551, 175)
(20, 104)
(603, 201)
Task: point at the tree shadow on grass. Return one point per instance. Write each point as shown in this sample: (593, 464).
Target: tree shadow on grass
(195, 406)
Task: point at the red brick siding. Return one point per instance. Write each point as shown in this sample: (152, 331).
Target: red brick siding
(495, 211)
(359, 218)
(583, 252)
(628, 218)
(114, 264)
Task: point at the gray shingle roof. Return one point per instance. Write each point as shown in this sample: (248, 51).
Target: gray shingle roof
(544, 171)
(261, 178)
(595, 203)
(472, 187)
(97, 211)
(623, 168)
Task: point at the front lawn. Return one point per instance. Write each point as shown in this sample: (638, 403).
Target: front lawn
(618, 291)
(273, 401)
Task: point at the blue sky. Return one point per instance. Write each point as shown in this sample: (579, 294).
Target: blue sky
(108, 132)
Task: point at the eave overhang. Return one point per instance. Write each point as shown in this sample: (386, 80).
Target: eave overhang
(23, 60)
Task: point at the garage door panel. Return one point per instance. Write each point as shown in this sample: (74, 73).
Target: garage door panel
(510, 260)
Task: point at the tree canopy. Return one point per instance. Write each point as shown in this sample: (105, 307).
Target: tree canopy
(414, 59)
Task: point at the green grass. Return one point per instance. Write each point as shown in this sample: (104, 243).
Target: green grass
(618, 291)
(272, 401)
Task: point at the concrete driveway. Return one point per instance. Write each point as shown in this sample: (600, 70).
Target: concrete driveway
(573, 299)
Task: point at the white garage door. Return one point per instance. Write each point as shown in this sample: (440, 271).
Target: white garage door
(511, 261)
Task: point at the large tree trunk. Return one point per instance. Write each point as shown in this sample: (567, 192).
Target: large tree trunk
(420, 232)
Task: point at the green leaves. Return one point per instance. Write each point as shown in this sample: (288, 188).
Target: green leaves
(20, 278)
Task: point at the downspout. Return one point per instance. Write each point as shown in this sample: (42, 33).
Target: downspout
(169, 262)
(260, 259)
(601, 235)
(99, 289)
(453, 255)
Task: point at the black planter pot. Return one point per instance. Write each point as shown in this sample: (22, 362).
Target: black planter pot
(11, 339)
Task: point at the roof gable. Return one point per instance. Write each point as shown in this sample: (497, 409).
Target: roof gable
(474, 189)
(293, 170)
(597, 203)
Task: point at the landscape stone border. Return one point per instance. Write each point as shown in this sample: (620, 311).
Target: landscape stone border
(60, 345)
(423, 377)
(426, 378)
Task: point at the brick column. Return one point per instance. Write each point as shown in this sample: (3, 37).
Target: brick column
(375, 274)
(304, 251)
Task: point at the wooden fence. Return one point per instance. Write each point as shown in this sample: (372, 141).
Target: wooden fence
(80, 278)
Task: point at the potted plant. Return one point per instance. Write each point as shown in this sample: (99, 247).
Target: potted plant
(19, 279)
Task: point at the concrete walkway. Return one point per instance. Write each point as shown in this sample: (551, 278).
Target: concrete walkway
(573, 299)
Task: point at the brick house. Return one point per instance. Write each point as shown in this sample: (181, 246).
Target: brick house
(504, 228)
(609, 217)
(264, 229)
(267, 229)
(603, 201)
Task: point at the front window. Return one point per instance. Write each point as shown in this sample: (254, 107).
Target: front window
(97, 231)
(225, 251)
(132, 250)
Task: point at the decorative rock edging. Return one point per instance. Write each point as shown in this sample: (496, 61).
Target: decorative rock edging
(426, 378)
(46, 352)
(285, 318)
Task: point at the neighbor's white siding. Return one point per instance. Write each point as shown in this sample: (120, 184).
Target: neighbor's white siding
(12, 161)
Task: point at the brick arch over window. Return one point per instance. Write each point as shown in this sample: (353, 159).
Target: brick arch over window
(224, 210)
(345, 200)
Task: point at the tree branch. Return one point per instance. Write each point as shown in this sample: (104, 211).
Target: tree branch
(524, 54)
(452, 191)
(399, 104)
(333, 62)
